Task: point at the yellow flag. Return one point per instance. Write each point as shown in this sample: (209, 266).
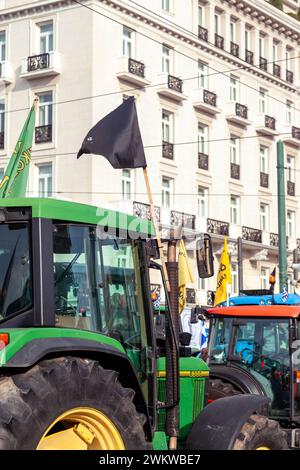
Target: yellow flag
(184, 275)
(224, 276)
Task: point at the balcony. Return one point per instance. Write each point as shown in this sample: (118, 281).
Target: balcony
(180, 219)
(289, 76)
(266, 125)
(202, 33)
(171, 87)
(264, 180)
(132, 71)
(234, 49)
(263, 64)
(218, 227)
(6, 72)
(294, 136)
(2, 140)
(41, 65)
(251, 234)
(237, 113)
(277, 70)
(290, 188)
(235, 171)
(249, 57)
(43, 134)
(203, 161)
(205, 101)
(274, 240)
(168, 150)
(219, 41)
(143, 211)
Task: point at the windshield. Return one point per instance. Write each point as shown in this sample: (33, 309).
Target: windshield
(261, 346)
(15, 272)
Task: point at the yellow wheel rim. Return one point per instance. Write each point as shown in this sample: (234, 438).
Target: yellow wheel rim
(263, 448)
(82, 429)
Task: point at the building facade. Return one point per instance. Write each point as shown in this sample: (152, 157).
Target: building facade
(216, 86)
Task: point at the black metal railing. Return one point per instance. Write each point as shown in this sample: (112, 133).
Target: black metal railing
(181, 219)
(249, 57)
(202, 161)
(211, 297)
(235, 171)
(296, 132)
(263, 64)
(289, 76)
(291, 188)
(43, 134)
(190, 296)
(38, 62)
(136, 68)
(241, 110)
(202, 33)
(175, 83)
(218, 227)
(276, 70)
(168, 150)
(252, 234)
(219, 41)
(209, 98)
(143, 211)
(2, 136)
(274, 240)
(270, 122)
(234, 49)
(264, 180)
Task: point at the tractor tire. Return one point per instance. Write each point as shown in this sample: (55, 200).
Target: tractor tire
(68, 397)
(261, 433)
(218, 389)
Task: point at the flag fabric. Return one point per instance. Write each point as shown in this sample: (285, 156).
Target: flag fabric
(224, 276)
(15, 178)
(117, 137)
(184, 275)
(284, 295)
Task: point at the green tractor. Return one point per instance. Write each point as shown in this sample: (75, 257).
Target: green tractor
(81, 367)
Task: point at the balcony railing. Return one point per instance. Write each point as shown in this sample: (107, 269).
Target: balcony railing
(2, 140)
(235, 171)
(136, 68)
(249, 57)
(296, 132)
(219, 41)
(234, 49)
(264, 179)
(263, 64)
(289, 76)
(276, 70)
(211, 297)
(43, 134)
(175, 83)
(274, 240)
(203, 33)
(241, 110)
(218, 227)
(143, 211)
(210, 98)
(270, 122)
(168, 150)
(180, 219)
(38, 62)
(291, 188)
(252, 234)
(190, 296)
(202, 161)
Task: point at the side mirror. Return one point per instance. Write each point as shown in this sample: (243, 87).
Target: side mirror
(205, 260)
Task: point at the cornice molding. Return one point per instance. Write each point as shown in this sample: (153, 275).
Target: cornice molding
(32, 8)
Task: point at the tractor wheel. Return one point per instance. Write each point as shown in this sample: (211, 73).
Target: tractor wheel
(68, 403)
(219, 389)
(261, 433)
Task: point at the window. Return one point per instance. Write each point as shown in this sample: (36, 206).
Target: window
(2, 46)
(233, 88)
(275, 52)
(234, 209)
(264, 278)
(166, 59)
(261, 46)
(248, 40)
(200, 15)
(45, 108)
(232, 31)
(264, 216)
(46, 37)
(262, 101)
(217, 24)
(202, 138)
(234, 150)
(202, 75)
(167, 126)
(167, 5)
(290, 164)
(127, 42)
(264, 159)
(202, 201)
(287, 58)
(234, 279)
(1, 174)
(2, 117)
(290, 223)
(127, 184)
(45, 180)
(289, 106)
(167, 192)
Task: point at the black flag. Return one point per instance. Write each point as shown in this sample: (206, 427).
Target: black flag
(118, 138)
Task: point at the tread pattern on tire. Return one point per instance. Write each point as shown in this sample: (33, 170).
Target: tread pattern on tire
(224, 388)
(260, 431)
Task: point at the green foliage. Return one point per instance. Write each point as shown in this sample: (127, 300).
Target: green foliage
(277, 4)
